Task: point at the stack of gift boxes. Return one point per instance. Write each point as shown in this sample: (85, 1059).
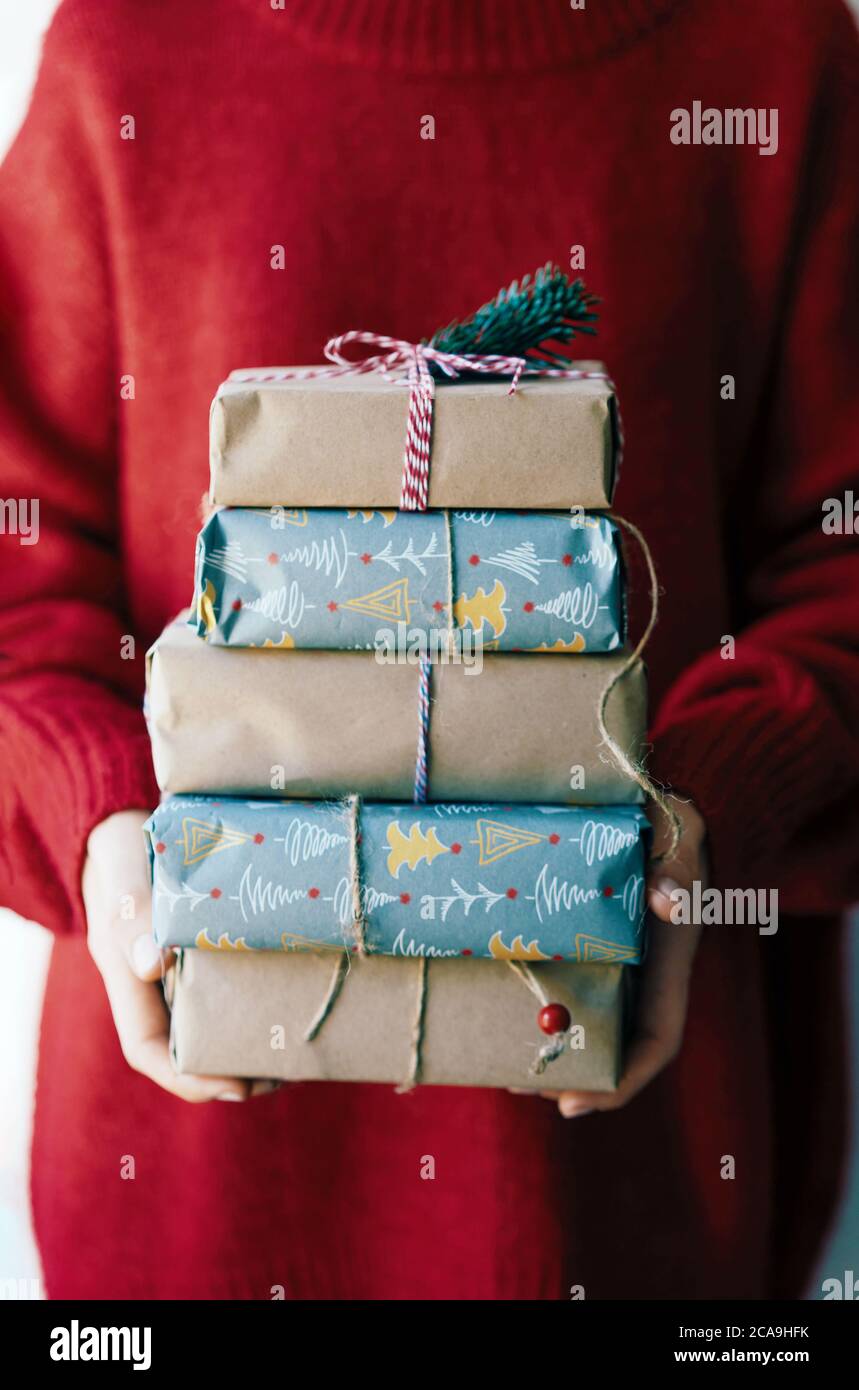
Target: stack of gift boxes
(392, 845)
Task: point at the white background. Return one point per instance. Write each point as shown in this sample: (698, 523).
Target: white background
(26, 947)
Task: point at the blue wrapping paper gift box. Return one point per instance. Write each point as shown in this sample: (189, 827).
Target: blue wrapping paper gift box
(523, 882)
(519, 581)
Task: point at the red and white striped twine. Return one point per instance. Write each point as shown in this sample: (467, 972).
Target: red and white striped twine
(422, 758)
(406, 364)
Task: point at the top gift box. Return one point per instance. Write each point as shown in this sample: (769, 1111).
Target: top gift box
(334, 441)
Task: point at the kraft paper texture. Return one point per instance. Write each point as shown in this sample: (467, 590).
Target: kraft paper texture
(480, 1021)
(340, 442)
(330, 578)
(500, 882)
(327, 724)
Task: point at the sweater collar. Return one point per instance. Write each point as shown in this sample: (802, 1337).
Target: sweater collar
(469, 36)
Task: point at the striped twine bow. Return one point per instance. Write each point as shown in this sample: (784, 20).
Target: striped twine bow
(422, 759)
(407, 364)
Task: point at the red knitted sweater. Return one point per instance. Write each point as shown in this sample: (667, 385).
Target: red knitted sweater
(257, 126)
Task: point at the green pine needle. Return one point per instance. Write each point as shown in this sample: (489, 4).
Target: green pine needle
(522, 320)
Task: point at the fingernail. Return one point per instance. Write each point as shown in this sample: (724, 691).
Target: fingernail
(229, 1095)
(666, 886)
(571, 1110)
(145, 955)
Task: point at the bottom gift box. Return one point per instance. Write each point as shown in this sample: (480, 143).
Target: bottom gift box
(437, 1022)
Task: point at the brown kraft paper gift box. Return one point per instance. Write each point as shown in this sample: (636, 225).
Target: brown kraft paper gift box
(245, 1014)
(337, 723)
(340, 441)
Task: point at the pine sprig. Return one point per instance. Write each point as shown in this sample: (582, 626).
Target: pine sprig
(522, 320)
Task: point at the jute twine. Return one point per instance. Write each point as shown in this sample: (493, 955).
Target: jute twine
(359, 945)
(631, 767)
(555, 1044)
(552, 1048)
(622, 760)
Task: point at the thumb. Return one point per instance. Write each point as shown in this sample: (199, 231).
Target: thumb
(678, 871)
(119, 864)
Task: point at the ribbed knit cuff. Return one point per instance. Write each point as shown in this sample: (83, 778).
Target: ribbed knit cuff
(78, 758)
(755, 771)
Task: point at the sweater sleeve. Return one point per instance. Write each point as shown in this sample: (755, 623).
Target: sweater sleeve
(73, 744)
(767, 744)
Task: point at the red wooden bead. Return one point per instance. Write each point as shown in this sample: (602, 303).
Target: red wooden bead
(555, 1018)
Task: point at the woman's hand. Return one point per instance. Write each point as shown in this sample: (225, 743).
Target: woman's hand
(118, 900)
(661, 1005)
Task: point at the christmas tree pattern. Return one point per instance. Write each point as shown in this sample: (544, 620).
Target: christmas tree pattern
(523, 560)
(388, 515)
(496, 840)
(517, 950)
(595, 948)
(291, 941)
(482, 608)
(461, 897)
(224, 942)
(184, 893)
(343, 900)
(243, 574)
(281, 874)
(410, 556)
(418, 847)
(258, 895)
(200, 839)
(390, 603)
(476, 518)
(230, 558)
(327, 556)
(206, 608)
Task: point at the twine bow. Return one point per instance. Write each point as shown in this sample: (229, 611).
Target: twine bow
(408, 364)
(544, 1054)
